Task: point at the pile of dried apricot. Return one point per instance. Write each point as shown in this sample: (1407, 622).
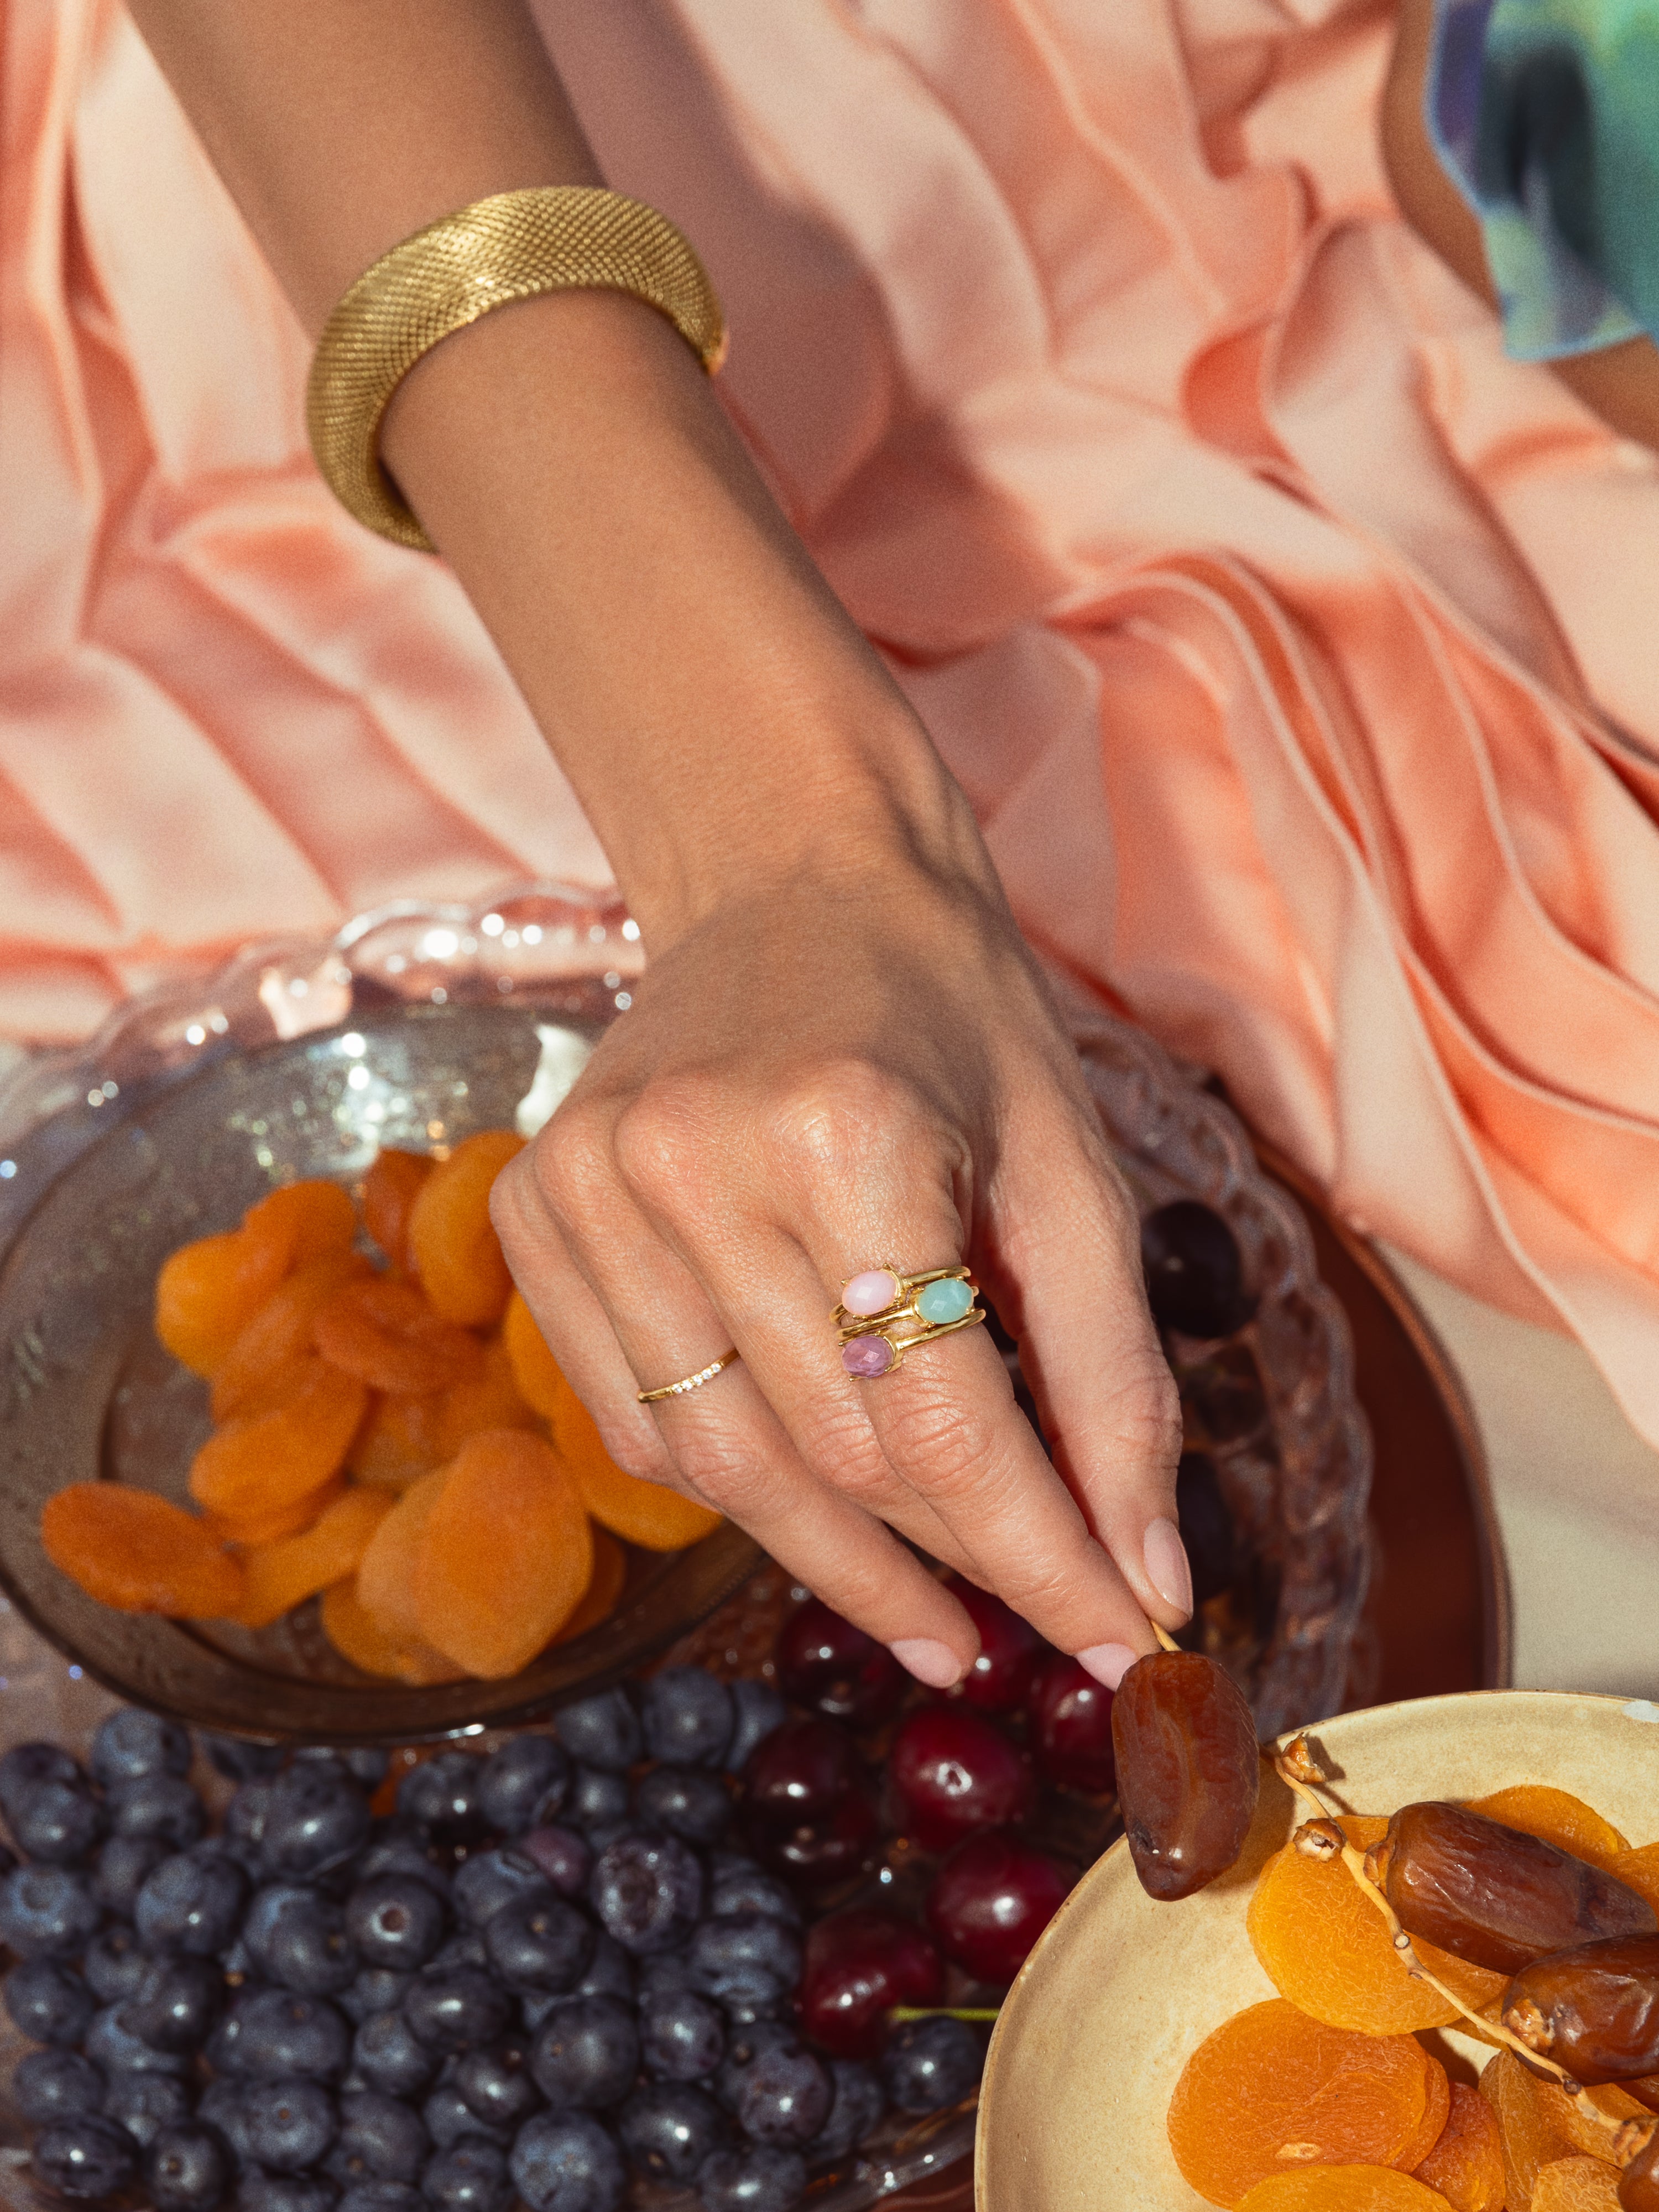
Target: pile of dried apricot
(1536, 1921)
(399, 1443)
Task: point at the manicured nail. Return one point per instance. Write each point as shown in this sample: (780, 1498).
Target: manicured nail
(1166, 1564)
(936, 1664)
(1108, 1662)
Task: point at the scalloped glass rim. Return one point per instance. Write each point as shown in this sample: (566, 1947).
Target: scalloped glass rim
(557, 948)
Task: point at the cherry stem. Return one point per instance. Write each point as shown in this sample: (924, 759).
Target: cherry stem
(1354, 1860)
(903, 2012)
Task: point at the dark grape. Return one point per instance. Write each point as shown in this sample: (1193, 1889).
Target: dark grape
(668, 2129)
(838, 1670)
(1187, 1770)
(48, 2003)
(931, 2063)
(568, 2162)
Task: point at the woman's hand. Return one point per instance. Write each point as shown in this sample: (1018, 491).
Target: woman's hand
(833, 1074)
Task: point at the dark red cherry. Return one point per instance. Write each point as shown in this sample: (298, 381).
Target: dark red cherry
(800, 1772)
(858, 1965)
(818, 1854)
(824, 1662)
(991, 1900)
(1009, 1650)
(957, 1771)
(1072, 1725)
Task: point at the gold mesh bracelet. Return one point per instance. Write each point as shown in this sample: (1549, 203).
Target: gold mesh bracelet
(513, 246)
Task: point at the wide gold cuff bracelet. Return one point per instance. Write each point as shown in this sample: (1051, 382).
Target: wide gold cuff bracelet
(513, 246)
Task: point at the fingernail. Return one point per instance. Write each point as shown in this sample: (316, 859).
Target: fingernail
(1107, 1663)
(936, 1664)
(1166, 1564)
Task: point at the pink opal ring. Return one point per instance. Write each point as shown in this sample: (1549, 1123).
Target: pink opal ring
(884, 1314)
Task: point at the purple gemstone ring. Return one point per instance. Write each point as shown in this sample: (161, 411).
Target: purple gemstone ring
(884, 1313)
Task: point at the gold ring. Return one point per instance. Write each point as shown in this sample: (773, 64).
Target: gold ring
(688, 1382)
(890, 1313)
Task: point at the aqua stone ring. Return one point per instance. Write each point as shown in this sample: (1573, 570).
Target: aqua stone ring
(884, 1314)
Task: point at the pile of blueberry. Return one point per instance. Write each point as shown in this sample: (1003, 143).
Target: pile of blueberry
(542, 1968)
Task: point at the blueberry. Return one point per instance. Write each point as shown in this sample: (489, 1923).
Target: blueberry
(744, 2046)
(132, 1743)
(448, 2118)
(464, 1948)
(760, 2179)
(7, 1860)
(377, 1989)
(176, 2003)
(56, 2084)
(286, 2125)
(609, 1971)
(688, 1717)
(460, 2006)
(247, 1814)
(123, 1866)
(663, 1973)
(367, 1763)
(568, 2162)
(378, 2196)
(858, 2103)
(161, 1805)
(380, 2139)
(297, 1937)
(561, 1856)
(48, 2003)
(192, 1902)
(57, 1823)
(114, 1965)
(188, 2168)
(931, 2063)
(238, 1761)
(746, 1958)
(523, 1784)
(648, 1892)
(221, 2107)
(756, 1708)
(119, 2051)
(387, 2057)
(682, 2035)
(488, 1880)
(603, 1731)
(586, 2052)
(668, 2129)
(470, 2176)
(285, 2192)
(784, 2097)
(739, 1884)
(400, 1851)
(603, 1833)
(596, 1799)
(272, 2035)
(1195, 1271)
(85, 2157)
(26, 1765)
(496, 2084)
(688, 1800)
(441, 1796)
(539, 1943)
(317, 1817)
(144, 2104)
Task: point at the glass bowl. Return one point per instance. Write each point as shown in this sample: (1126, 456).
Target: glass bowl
(415, 1025)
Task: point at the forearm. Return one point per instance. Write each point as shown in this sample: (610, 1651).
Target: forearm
(718, 714)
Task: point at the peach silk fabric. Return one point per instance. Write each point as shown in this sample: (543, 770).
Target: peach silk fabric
(1299, 652)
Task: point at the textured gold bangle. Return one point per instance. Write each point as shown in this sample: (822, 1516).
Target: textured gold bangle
(513, 246)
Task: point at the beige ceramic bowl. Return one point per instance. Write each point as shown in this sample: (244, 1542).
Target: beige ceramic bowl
(1121, 1991)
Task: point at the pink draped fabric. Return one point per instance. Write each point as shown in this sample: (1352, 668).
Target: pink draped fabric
(1298, 650)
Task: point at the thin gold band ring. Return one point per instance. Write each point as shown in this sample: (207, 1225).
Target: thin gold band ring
(688, 1382)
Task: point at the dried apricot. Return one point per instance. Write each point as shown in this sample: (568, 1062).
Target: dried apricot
(355, 1632)
(385, 1574)
(487, 1398)
(1467, 2163)
(1342, 2189)
(303, 1220)
(285, 1447)
(506, 1556)
(1639, 1870)
(138, 1553)
(1576, 2184)
(1272, 2087)
(207, 1292)
(394, 1446)
(386, 1335)
(1437, 2111)
(453, 1244)
(1534, 2117)
(389, 1191)
(269, 1528)
(603, 1589)
(1563, 1821)
(541, 1383)
(284, 1575)
(1327, 1950)
(280, 1331)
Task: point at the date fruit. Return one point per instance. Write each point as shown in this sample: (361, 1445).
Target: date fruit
(1638, 2184)
(1188, 1770)
(1594, 2010)
(1494, 1895)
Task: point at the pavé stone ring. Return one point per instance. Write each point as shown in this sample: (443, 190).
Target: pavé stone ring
(884, 1314)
